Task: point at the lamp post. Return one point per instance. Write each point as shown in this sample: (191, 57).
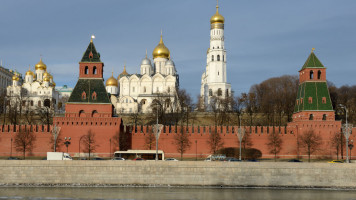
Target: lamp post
(346, 129)
(240, 134)
(67, 142)
(351, 145)
(196, 150)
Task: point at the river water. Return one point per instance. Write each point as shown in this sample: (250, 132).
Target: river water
(137, 193)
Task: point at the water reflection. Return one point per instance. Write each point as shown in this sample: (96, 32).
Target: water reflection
(170, 193)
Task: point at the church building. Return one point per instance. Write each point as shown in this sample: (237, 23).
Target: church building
(214, 81)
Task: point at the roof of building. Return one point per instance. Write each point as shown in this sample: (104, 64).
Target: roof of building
(91, 55)
(312, 62)
(317, 91)
(89, 86)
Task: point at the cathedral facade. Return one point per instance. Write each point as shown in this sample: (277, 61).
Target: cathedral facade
(35, 91)
(158, 80)
(213, 80)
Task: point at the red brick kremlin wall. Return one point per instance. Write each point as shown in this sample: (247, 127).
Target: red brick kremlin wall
(106, 128)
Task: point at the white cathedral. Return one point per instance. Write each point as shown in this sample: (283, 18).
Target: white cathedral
(37, 90)
(132, 93)
(213, 80)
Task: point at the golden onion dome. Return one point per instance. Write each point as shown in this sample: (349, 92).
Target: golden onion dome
(112, 81)
(46, 79)
(217, 18)
(123, 73)
(29, 72)
(40, 65)
(46, 74)
(161, 51)
(15, 78)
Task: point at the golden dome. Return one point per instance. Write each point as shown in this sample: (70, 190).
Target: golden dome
(217, 18)
(123, 73)
(46, 74)
(15, 78)
(46, 78)
(161, 51)
(29, 72)
(40, 65)
(112, 81)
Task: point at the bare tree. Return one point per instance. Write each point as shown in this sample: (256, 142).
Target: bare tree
(182, 142)
(246, 143)
(24, 141)
(336, 141)
(274, 143)
(150, 139)
(215, 141)
(89, 143)
(310, 141)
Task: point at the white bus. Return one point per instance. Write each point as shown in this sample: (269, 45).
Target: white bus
(145, 154)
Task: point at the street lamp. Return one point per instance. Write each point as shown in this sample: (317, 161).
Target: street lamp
(351, 145)
(346, 129)
(67, 142)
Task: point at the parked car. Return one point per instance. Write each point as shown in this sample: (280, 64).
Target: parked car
(336, 161)
(234, 160)
(13, 158)
(171, 159)
(294, 160)
(252, 160)
(139, 159)
(118, 158)
(97, 158)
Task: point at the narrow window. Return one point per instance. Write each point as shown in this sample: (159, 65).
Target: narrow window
(84, 95)
(218, 73)
(94, 70)
(311, 117)
(86, 70)
(169, 90)
(144, 89)
(218, 58)
(311, 74)
(212, 57)
(310, 100)
(324, 117)
(319, 74)
(223, 58)
(210, 92)
(93, 96)
(219, 92)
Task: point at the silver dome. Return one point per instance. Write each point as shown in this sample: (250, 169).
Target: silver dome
(146, 61)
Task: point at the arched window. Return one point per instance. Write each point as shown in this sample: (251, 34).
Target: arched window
(219, 92)
(94, 70)
(31, 103)
(47, 103)
(311, 74)
(311, 117)
(210, 92)
(95, 113)
(86, 70)
(324, 117)
(93, 96)
(212, 57)
(81, 113)
(84, 95)
(144, 89)
(319, 74)
(218, 58)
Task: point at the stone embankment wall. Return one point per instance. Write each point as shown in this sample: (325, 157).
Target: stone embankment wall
(184, 173)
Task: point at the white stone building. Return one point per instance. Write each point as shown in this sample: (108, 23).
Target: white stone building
(214, 81)
(5, 78)
(159, 80)
(36, 91)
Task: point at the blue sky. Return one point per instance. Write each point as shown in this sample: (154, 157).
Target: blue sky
(263, 39)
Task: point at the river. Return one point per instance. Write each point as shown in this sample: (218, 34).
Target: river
(138, 193)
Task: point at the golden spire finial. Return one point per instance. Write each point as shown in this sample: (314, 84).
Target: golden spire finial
(217, 6)
(91, 38)
(313, 49)
(161, 41)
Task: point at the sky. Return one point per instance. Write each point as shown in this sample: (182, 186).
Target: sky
(263, 39)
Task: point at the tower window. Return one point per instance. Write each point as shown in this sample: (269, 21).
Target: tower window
(94, 70)
(311, 74)
(311, 117)
(212, 57)
(86, 70)
(324, 117)
(323, 100)
(210, 92)
(93, 96)
(218, 57)
(310, 100)
(319, 74)
(219, 92)
(84, 95)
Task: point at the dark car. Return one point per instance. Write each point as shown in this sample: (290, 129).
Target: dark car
(252, 160)
(13, 158)
(97, 158)
(294, 160)
(139, 159)
(231, 159)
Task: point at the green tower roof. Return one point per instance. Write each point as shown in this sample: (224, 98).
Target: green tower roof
(312, 62)
(89, 86)
(91, 55)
